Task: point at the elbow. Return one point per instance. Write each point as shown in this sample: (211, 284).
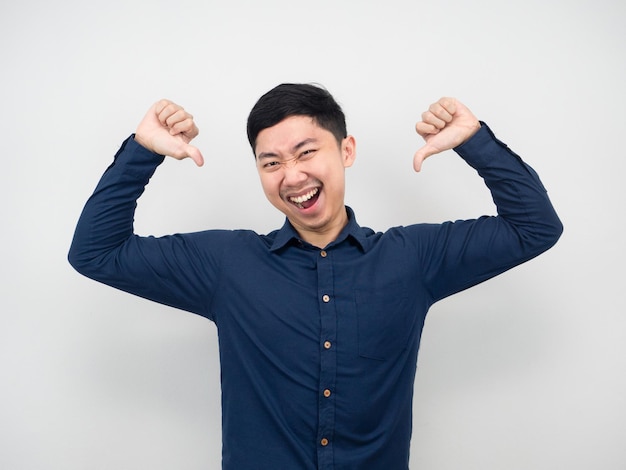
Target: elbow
(81, 261)
(548, 235)
(77, 261)
(554, 231)
(558, 230)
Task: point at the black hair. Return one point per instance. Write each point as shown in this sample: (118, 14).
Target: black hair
(296, 99)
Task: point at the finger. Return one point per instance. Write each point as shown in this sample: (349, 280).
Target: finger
(445, 108)
(175, 117)
(166, 110)
(159, 108)
(160, 105)
(438, 114)
(186, 127)
(195, 154)
(421, 155)
(425, 129)
(431, 118)
(441, 113)
(188, 151)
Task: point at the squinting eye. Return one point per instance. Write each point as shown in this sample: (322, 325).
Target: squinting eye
(271, 165)
(307, 154)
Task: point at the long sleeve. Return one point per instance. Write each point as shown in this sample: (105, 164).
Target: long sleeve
(460, 254)
(172, 270)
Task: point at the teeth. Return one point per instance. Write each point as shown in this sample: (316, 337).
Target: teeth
(304, 197)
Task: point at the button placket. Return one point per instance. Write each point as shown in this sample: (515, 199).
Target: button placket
(328, 360)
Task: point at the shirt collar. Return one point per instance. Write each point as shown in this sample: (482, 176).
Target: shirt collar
(287, 234)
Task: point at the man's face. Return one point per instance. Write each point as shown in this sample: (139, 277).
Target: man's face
(302, 171)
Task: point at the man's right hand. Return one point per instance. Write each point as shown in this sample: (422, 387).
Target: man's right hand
(167, 129)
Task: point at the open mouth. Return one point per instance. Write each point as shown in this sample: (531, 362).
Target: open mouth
(306, 200)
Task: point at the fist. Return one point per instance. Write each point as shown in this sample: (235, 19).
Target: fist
(446, 124)
(167, 129)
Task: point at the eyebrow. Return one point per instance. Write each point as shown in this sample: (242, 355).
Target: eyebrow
(294, 149)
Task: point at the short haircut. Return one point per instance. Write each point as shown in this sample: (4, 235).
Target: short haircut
(294, 99)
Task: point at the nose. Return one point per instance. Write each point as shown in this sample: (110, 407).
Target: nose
(292, 173)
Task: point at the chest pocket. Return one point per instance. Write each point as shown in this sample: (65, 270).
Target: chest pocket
(385, 321)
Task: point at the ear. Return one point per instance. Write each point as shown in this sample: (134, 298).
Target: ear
(348, 151)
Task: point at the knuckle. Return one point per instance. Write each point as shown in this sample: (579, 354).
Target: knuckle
(162, 103)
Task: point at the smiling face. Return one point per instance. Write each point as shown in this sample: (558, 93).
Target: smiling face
(302, 171)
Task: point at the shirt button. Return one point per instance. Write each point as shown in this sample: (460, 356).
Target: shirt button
(323, 254)
(324, 442)
(326, 393)
(326, 298)
(327, 344)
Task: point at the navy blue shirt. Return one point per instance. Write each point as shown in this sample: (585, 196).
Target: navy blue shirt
(318, 347)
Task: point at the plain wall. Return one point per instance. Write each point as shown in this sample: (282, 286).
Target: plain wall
(526, 371)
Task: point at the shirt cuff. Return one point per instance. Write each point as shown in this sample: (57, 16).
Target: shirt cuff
(482, 147)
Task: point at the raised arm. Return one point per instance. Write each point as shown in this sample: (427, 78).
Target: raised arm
(457, 255)
(173, 270)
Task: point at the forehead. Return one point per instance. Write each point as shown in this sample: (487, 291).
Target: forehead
(288, 133)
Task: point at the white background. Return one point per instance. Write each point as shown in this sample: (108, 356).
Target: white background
(526, 371)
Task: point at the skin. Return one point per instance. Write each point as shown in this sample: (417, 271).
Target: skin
(167, 129)
(323, 173)
(445, 125)
(296, 158)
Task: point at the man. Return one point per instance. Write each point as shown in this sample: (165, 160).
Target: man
(319, 322)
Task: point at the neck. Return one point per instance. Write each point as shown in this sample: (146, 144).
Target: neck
(324, 235)
(319, 240)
